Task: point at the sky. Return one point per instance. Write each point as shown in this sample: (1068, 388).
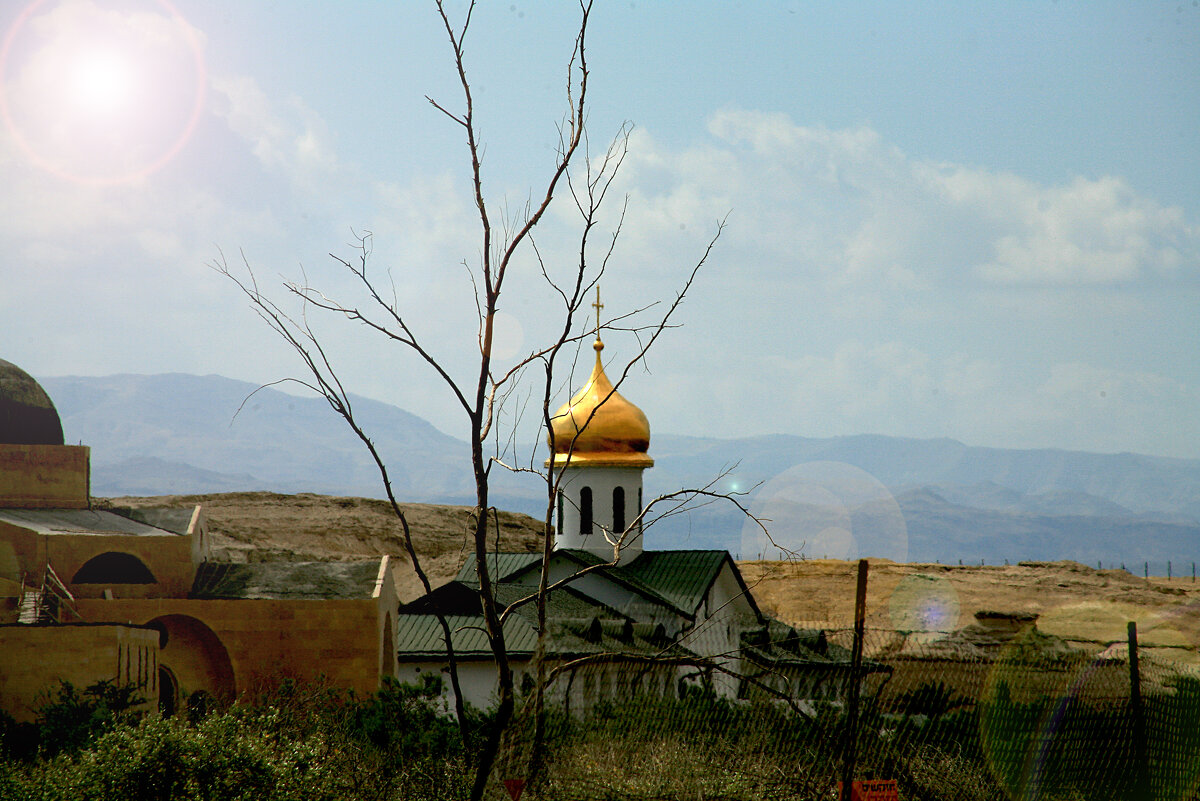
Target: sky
(977, 221)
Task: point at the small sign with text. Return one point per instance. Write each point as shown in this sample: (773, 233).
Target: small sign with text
(873, 790)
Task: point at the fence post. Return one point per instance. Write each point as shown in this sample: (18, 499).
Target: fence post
(1142, 789)
(860, 622)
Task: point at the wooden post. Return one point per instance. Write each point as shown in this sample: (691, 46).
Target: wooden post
(1140, 757)
(860, 622)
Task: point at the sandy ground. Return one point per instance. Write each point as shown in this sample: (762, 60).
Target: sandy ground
(1073, 601)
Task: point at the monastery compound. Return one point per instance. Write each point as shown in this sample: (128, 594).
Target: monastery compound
(137, 597)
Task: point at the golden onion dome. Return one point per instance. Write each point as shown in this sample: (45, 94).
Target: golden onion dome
(599, 427)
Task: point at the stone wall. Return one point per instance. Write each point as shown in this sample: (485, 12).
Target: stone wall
(168, 557)
(37, 658)
(255, 644)
(44, 476)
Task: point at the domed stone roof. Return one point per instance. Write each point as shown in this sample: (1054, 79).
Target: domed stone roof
(605, 428)
(27, 415)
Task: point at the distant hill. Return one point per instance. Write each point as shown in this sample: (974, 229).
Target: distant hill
(167, 434)
(924, 500)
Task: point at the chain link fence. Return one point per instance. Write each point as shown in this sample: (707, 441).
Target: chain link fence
(996, 711)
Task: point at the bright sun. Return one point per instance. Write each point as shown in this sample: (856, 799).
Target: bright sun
(99, 94)
(101, 81)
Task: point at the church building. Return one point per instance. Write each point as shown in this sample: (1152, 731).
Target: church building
(632, 621)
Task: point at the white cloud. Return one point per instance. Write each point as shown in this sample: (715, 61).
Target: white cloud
(852, 209)
(289, 137)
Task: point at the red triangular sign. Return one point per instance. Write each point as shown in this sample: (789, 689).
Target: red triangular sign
(515, 787)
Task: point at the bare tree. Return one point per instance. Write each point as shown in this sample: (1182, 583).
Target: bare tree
(586, 181)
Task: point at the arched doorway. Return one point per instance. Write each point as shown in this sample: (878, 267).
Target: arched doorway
(195, 657)
(168, 692)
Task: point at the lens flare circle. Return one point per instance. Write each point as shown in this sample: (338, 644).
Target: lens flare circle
(924, 603)
(102, 101)
(508, 336)
(825, 509)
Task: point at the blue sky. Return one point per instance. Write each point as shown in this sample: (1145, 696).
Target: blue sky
(979, 221)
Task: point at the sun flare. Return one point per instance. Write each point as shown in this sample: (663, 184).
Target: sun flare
(101, 95)
(100, 81)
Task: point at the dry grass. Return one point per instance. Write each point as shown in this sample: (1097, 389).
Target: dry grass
(1073, 601)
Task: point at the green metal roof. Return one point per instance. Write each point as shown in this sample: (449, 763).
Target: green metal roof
(682, 577)
(462, 598)
(621, 576)
(778, 644)
(675, 579)
(576, 624)
(501, 565)
(420, 638)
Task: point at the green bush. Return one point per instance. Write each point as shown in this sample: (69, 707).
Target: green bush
(407, 718)
(220, 759)
(69, 719)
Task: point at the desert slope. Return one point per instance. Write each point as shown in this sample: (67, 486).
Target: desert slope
(259, 526)
(1073, 601)
(1081, 604)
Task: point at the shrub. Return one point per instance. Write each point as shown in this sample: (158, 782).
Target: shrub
(220, 759)
(69, 718)
(407, 719)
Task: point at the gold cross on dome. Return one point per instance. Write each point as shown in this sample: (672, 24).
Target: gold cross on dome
(597, 306)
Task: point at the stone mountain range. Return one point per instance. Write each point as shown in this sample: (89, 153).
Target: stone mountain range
(905, 499)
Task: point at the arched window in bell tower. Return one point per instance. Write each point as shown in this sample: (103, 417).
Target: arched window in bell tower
(618, 516)
(585, 510)
(560, 512)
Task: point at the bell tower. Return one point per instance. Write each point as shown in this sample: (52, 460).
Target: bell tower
(598, 450)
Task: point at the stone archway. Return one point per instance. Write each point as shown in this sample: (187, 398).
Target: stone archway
(195, 657)
(114, 567)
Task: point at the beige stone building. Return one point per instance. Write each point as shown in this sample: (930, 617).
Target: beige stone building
(135, 597)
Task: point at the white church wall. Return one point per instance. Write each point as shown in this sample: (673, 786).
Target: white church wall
(716, 633)
(477, 680)
(577, 689)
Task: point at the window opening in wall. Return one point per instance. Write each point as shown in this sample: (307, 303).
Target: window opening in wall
(618, 510)
(387, 654)
(114, 567)
(585, 510)
(560, 511)
(639, 511)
